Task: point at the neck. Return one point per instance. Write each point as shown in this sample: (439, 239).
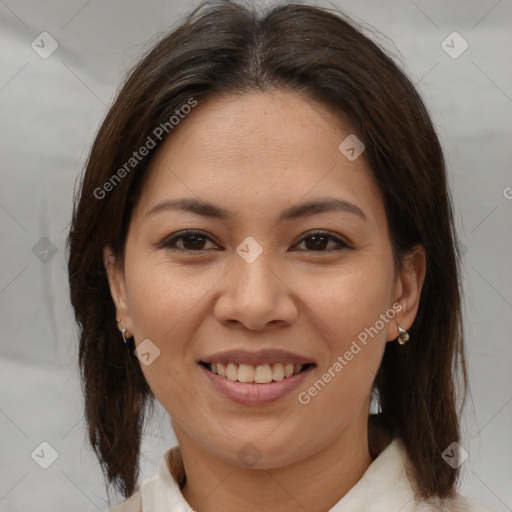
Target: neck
(316, 483)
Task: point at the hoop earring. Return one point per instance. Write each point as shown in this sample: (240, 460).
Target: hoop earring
(404, 335)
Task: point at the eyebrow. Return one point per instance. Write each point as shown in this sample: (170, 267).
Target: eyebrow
(302, 210)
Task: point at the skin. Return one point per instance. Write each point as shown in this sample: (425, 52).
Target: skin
(255, 155)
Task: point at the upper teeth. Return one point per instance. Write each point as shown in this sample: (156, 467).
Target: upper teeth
(261, 374)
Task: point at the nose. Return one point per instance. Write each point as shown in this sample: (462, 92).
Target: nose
(256, 296)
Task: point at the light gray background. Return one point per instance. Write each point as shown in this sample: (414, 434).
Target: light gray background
(51, 109)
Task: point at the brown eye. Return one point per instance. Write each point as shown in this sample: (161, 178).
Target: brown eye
(319, 241)
(193, 241)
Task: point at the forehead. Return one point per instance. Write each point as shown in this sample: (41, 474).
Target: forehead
(259, 150)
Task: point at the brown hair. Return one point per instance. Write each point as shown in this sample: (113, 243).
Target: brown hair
(224, 47)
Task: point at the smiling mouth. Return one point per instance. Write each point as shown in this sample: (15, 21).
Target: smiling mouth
(256, 374)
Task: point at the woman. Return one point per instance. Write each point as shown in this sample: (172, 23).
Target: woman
(263, 241)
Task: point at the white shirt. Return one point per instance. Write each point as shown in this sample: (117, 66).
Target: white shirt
(384, 487)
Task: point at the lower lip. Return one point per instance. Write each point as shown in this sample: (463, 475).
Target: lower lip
(255, 394)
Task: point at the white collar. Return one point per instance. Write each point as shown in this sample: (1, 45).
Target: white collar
(382, 481)
(385, 486)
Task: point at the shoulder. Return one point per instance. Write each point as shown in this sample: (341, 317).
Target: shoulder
(458, 503)
(155, 492)
(132, 504)
(465, 504)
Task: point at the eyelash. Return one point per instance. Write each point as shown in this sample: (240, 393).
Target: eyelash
(170, 242)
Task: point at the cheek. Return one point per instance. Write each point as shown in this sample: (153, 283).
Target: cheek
(350, 301)
(167, 306)
(353, 310)
(162, 298)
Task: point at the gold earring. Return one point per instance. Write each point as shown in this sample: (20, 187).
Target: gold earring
(404, 335)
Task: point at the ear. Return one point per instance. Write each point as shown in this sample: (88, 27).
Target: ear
(115, 274)
(408, 285)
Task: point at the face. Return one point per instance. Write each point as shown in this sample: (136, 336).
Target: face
(261, 287)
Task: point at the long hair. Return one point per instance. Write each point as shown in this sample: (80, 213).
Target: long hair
(224, 47)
